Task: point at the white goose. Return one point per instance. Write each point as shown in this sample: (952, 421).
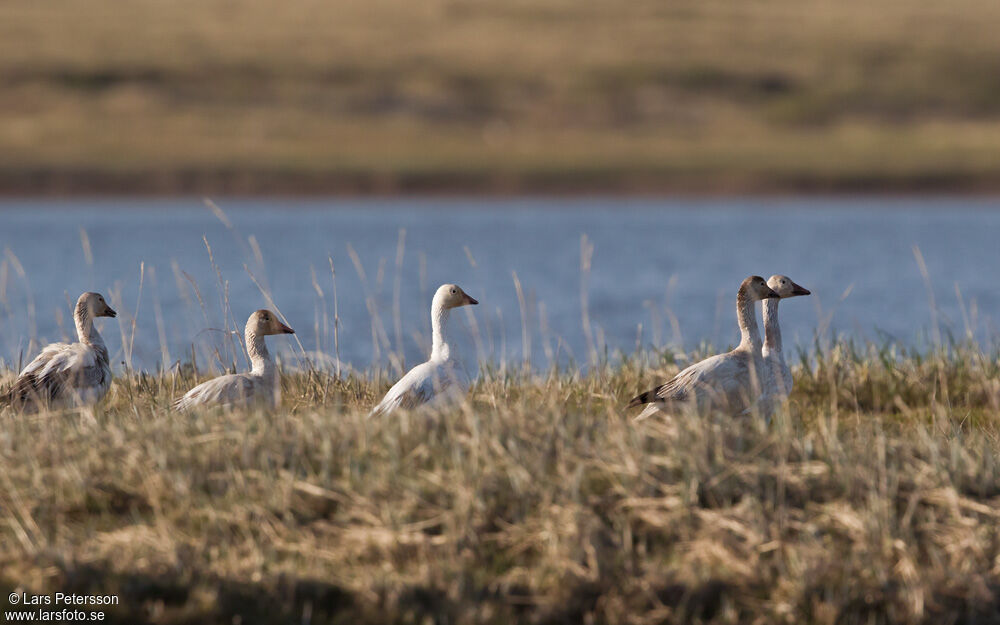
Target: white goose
(260, 386)
(779, 376)
(729, 382)
(438, 379)
(68, 374)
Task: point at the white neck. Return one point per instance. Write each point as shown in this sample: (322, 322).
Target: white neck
(440, 351)
(260, 358)
(746, 315)
(772, 332)
(85, 330)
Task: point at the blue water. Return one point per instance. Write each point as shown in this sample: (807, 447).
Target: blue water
(663, 272)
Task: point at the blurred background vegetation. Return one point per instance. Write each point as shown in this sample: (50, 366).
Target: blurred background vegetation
(479, 95)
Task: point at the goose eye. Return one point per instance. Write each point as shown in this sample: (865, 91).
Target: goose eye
(453, 291)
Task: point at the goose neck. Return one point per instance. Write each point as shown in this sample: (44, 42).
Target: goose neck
(746, 315)
(260, 358)
(440, 350)
(772, 331)
(86, 332)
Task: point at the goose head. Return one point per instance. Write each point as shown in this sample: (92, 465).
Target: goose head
(757, 289)
(452, 296)
(264, 322)
(95, 305)
(785, 287)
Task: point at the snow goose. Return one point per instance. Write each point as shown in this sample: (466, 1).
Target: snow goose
(438, 379)
(68, 374)
(779, 376)
(260, 386)
(727, 382)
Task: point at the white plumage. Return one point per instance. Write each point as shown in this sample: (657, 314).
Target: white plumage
(68, 374)
(727, 382)
(778, 385)
(261, 385)
(439, 379)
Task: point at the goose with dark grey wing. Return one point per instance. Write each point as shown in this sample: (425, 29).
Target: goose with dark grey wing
(728, 382)
(68, 374)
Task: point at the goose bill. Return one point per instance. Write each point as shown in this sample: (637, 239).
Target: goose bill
(800, 290)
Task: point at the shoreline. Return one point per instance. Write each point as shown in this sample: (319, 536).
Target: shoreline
(265, 183)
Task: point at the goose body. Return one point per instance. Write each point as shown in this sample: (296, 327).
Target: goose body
(68, 374)
(261, 385)
(429, 383)
(438, 380)
(728, 382)
(778, 385)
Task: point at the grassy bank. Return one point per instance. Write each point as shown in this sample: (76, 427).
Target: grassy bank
(465, 95)
(874, 500)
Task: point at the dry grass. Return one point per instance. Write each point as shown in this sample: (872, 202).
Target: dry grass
(530, 94)
(874, 500)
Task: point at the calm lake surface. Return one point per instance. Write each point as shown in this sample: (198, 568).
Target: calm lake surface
(662, 273)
